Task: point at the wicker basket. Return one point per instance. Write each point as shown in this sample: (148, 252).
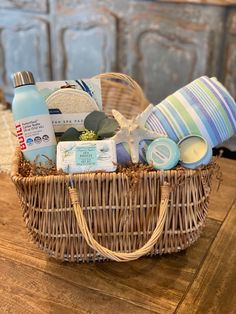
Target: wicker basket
(121, 92)
(99, 216)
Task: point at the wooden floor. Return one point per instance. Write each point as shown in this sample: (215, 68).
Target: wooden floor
(201, 279)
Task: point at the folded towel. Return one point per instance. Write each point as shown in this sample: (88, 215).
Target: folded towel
(8, 141)
(203, 107)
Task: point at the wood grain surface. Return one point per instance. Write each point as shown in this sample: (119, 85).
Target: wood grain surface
(213, 290)
(223, 190)
(206, 2)
(200, 278)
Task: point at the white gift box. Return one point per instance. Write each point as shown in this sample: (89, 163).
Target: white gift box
(86, 156)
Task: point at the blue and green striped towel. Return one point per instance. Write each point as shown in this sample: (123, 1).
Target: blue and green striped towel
(203, 107)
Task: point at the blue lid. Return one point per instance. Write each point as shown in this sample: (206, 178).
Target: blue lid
(163, 153)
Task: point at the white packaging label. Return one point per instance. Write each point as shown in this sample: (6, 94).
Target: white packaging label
(70, 119)
(86, 156)
(35, 132)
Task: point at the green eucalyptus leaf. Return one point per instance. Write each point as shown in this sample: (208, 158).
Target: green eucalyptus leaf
(92, 121)
(107, 128)
(70, 135)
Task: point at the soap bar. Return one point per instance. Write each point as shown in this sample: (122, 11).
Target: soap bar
(86, 156)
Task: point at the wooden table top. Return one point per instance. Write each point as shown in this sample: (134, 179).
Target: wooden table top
(198, 280)
(205, 2)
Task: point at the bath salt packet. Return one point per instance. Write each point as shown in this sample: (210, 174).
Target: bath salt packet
(69, 102)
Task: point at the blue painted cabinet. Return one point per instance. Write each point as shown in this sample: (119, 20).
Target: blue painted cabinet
(162, 45)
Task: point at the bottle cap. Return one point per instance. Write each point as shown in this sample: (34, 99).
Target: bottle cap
(23, 78)
(163, 153)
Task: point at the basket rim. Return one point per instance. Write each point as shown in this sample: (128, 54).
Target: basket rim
(16, 176)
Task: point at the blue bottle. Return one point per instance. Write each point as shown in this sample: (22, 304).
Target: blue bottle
(34, 128)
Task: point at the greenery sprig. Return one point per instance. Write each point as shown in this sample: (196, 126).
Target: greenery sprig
(98, 126)
(102, 125)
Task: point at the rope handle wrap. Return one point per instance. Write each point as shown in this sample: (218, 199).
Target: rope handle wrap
(120, 256)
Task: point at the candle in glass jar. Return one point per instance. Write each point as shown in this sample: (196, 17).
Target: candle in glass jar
(194, 151)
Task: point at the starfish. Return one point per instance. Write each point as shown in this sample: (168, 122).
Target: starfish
(132, 131)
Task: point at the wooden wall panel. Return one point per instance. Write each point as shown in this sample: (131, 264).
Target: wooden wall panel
(230, 54)
(39, 6)
(162, 45)
(24, 45)
(166, 55)
(86, 43)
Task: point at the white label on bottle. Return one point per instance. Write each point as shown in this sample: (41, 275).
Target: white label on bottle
(35, 132)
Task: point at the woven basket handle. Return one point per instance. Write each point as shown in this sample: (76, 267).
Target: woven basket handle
(127, 80)
(119, 256)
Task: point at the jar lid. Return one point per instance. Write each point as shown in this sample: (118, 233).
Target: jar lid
(194, 151)
(163, 153)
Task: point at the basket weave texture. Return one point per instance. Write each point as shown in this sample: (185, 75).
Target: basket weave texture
(107, 216)
(121, 92)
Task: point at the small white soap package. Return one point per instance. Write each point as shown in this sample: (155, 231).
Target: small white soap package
(87, 156)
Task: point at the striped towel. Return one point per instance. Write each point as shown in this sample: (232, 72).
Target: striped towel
(203, 107)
